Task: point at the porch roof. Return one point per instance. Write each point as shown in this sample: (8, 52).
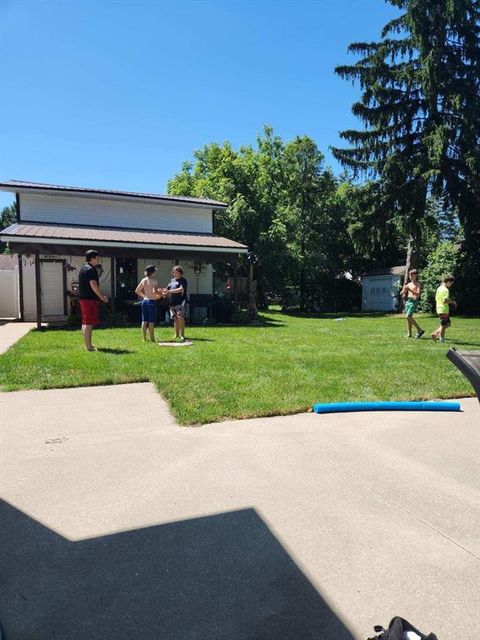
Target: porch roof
(58, 234)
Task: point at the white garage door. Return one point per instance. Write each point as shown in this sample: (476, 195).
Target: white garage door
(9, 306)
(380, 295)
(52, 288)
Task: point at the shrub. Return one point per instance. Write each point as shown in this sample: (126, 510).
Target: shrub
(443, 259)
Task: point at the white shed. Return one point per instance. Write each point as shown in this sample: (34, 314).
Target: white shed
(380, 289)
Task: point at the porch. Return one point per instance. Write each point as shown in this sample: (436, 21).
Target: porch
(49, 265)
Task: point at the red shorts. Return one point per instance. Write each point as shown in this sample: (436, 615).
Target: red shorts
(90, 311)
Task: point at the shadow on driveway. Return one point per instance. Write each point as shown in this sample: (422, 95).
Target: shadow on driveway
(219, 577)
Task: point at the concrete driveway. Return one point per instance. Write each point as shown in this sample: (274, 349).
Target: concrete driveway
(115, 523)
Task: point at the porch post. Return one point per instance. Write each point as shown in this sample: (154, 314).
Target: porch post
(20, 286)
(235, 285)
(113, 269)
(38, 289)
(252, 294)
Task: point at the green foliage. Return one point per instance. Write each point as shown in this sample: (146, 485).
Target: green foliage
(283, 204)
(442, 260)
(420, 107)
(8, 216)
(377, 238)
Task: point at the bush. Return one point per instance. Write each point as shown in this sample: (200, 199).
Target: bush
(442, 260)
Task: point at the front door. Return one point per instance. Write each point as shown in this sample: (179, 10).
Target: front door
(53, 287)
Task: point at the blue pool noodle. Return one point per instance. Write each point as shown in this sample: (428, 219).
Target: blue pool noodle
(339, 407)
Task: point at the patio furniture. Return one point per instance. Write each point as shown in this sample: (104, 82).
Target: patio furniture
(469, 364)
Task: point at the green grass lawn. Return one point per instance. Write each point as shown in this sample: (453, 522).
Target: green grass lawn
(283, 366)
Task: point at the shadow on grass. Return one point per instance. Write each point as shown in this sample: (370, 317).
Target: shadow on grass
(331, 315)
(117, 352)
(218, 577)
(263, 321)
(464, 344)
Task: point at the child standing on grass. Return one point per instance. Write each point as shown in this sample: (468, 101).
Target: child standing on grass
(443, 302)
(177, 294)
(412, 291)
(147, 289)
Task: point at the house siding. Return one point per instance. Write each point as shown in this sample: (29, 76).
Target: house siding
(74, 262)
(157, 216)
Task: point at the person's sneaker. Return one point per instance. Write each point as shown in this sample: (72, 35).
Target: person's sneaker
(182, 339)
(407, 336)
(420, 333)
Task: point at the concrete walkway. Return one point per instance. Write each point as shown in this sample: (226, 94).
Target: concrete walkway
(117, 524)
(11, 332)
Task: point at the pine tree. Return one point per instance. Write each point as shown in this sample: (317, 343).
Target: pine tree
(420, 106)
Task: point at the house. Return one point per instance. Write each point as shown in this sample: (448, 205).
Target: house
(57, 224)
(380, 289)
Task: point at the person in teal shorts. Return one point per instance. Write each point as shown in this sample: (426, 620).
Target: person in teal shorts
(412, 292)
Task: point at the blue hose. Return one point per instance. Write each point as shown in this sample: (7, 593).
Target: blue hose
(338, 407)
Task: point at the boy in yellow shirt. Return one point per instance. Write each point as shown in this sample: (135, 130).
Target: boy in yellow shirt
(443, 301)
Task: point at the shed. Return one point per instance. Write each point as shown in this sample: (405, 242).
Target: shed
(380, 289)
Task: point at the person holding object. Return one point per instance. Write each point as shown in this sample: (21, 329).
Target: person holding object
(147, 289)
(90, 296)
(177, 294)
(412, 292)
(443, 303)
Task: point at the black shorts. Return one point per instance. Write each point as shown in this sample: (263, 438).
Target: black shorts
(444, 319)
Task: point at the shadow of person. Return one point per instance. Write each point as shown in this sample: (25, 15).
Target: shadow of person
(218, 577)
(117, 352)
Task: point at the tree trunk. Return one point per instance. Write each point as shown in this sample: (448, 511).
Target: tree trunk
(252, 307)
(302, 273)
(408, 263)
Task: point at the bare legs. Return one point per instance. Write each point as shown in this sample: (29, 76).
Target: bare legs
(87, 330)
(150, 326)
(179, 326)
(411, 322)
(439, 334)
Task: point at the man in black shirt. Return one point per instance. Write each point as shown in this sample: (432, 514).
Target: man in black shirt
(90, 296)
(177, 293)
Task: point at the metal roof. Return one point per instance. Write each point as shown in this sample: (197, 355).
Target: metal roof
(19, 186)
(44, 233)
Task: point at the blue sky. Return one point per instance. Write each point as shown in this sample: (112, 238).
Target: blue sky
(117, 94)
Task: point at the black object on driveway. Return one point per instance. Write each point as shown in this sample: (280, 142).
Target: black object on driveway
(469, 364)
